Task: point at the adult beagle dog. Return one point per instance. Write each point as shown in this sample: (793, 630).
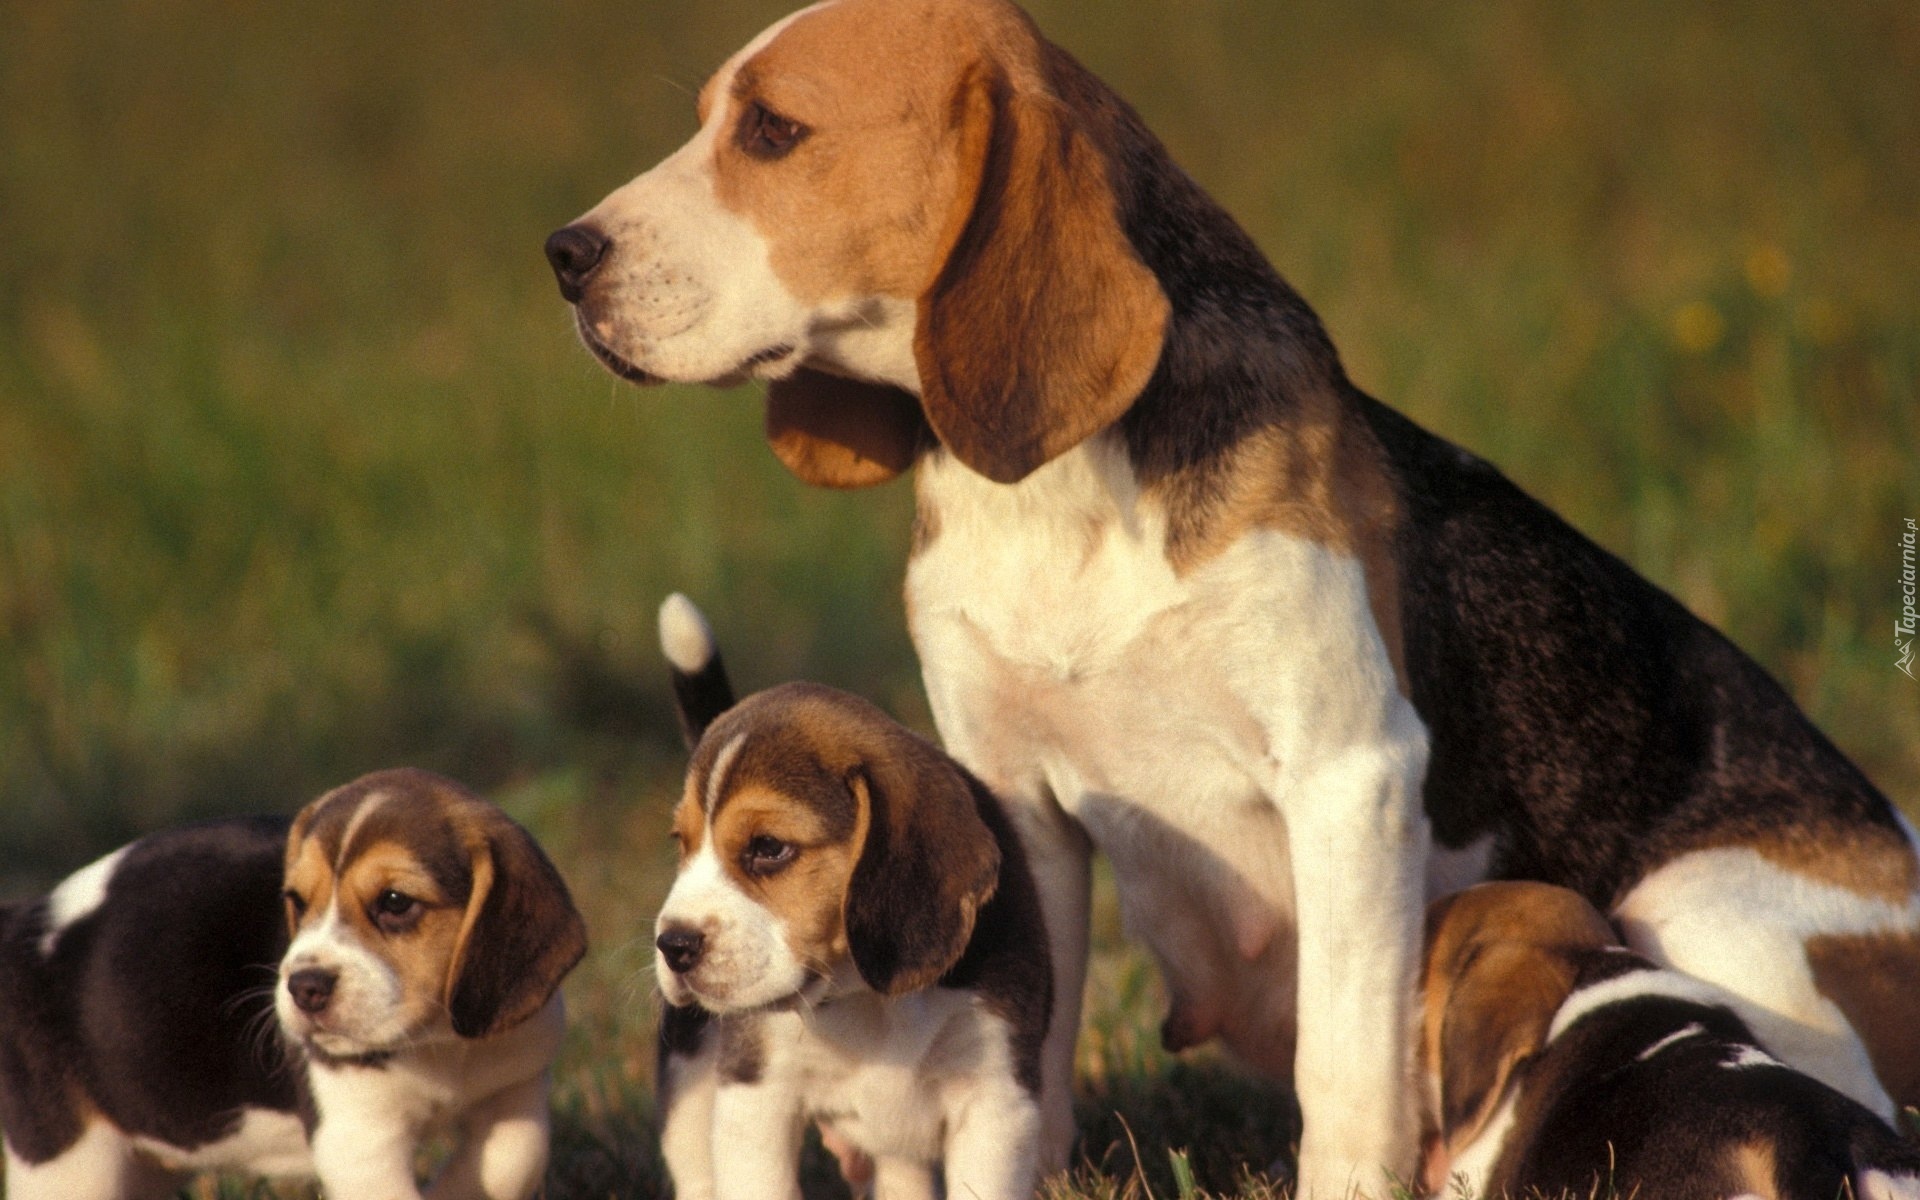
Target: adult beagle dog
(1182, 592)
(1558, 1063)
(853, 939)
(146, 1033)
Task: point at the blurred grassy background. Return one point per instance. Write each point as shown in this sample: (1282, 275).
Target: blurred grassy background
(302, 473)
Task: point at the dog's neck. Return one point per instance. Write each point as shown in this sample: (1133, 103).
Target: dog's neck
(1243, 351)
(372, 1060)
(1248, 384)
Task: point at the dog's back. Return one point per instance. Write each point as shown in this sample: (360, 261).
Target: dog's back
(139, 993)
(1564, 1064)
(1661, 1095)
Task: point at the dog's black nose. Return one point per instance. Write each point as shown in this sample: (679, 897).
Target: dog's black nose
(574, 252)
(681, 947)
(311, 989)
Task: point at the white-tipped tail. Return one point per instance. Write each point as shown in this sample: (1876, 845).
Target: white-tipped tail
(685, 637)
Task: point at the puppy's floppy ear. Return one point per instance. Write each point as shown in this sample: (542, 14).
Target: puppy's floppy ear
(1043, 325)
(1496, 1017)
(1502, 960)
(841, 433)
(926, 867)
(521, 933)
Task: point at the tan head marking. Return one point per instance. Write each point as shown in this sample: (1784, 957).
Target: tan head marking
(951, 158)
(836, 836)
(427, 905)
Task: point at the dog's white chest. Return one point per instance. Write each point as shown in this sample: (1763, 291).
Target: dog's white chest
(1065, 657)
(1052, 628)
(886, 1073)
(885, 1110)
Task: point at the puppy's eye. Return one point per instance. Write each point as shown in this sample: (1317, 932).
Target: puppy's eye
(394, 911)
(767, 855)
(296, 903)
(766, 135)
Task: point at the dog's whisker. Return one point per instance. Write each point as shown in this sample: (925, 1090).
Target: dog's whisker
(675, 84)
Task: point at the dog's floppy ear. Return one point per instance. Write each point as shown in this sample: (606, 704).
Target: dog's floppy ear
(1043, 325)
(521, 933)
(927, 866)
(1495, 1018)
(1502, 958)
(842, 433)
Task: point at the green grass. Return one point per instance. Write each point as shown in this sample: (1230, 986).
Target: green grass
(302, 474)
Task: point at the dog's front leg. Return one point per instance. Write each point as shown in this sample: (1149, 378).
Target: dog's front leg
(503, 1146)
(1061, 859)
(1359, 840)
(903, 1179)
(756, 1142)
(689, 1075)
(364, 1152)
(968, 713)
(992, 1149)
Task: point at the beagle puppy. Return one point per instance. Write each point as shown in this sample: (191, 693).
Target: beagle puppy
(420, 935)
(1182, 592)
(1558, 1063)
(852, 939)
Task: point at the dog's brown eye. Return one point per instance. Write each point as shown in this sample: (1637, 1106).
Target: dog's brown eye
(296, 902)
(765, 855)
(395, 911)
(766, 135)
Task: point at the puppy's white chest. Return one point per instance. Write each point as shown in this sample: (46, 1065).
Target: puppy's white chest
(882, 1072)
(885, 1110)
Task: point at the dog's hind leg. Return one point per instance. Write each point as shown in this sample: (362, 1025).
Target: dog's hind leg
(101, 1165)
(1828, 976)
(1875, 980)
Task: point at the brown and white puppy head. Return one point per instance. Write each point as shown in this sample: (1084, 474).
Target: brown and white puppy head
(418, 911)
(822, 846)
(886, 200)
(1501, 958)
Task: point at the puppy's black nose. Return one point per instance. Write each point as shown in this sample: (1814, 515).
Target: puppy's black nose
(311, 989)
(574, 252)
(681, 947)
